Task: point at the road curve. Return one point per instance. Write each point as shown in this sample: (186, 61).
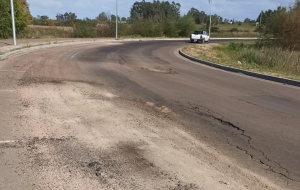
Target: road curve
(252, 121)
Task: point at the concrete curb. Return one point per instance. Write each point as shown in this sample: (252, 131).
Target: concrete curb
(252, 74)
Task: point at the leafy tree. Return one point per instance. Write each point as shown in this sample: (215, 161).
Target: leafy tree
(103, 17)
(67, 19)
(284, 26)
(25, 6)
(43, 21)
(199, 17)
(22, 15)
(156, 10)
(247, 20)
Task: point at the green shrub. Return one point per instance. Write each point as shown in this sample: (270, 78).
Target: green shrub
(234, 46)
(145, 28)
(186, 25)
(250, 56)
(234, 30)
(215, 29)
(84, 29)
(171, 29)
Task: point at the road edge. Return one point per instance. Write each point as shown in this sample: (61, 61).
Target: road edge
(28, 48)
(248, 73)
(25, 49)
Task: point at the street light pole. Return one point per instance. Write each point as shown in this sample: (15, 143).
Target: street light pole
(13, 21)
(116, 19)
(210, 2)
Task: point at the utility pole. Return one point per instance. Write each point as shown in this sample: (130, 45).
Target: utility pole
(13, 21)
(116, 19)
(210, 2)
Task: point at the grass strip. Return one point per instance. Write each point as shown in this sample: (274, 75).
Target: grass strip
(249, 56)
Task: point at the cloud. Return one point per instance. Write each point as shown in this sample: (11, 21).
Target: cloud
(231, 9)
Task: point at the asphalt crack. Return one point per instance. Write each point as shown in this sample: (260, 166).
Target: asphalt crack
(204, 111)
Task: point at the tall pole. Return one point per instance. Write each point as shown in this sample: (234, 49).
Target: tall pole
(13, 21)
(116, 19)
(210, 1)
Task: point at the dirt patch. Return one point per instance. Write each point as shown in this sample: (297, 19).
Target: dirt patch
(90, 138)
(203, 51)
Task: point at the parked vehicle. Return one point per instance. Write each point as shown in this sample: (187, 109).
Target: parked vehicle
(199, 36)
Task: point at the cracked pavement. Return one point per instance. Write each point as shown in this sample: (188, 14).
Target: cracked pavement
(136, 115)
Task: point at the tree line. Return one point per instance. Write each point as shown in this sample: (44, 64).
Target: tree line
(147, 19)
(281, 27)
(152, 19)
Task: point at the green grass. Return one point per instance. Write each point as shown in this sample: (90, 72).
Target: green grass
(1, 53)
(247, 56)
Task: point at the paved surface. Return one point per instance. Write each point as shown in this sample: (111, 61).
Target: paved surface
(137, 115)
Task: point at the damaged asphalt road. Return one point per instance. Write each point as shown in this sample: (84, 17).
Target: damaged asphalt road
(136, 115)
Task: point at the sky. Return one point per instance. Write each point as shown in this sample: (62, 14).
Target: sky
(230, 9)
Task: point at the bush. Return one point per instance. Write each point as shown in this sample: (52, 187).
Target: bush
(186, 25)
(215, 29)
(250, 56)
(171, 29)
(234, 30)
(46, 32)
(145, 28)
(85, 29)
